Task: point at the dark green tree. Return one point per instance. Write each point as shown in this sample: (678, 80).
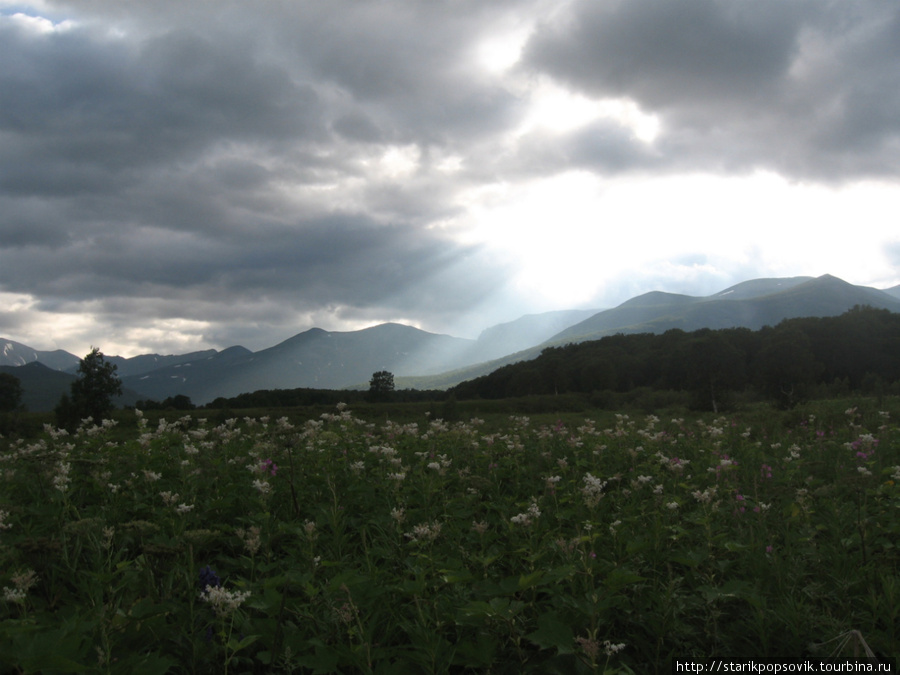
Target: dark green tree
(786, 366)
(10, 392)
(715, 369)
(95, 388)
(381, 386)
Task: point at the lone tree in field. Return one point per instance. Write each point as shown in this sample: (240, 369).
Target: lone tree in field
(381, 385)
(97, 384)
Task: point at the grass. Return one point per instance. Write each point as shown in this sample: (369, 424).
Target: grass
(551, 543)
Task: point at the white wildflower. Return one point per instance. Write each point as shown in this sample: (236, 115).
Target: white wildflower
(592, 491)
(61, 480)
(224, 602)
(480, 527)
(528, 517)
(22, 583)
(14, 595)
(168, 498)
(706, 496)
(611, 648)
(424, 532)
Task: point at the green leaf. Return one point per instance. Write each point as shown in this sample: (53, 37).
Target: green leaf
(619, 579)
(530, 580)
(690, 559)
(456, 576)
(148, 664)
(236, 646)
(478, 653)
(323, 661)
(551, 633)
(735, 546)
(50, 662)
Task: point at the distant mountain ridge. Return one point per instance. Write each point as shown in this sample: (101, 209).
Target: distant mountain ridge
(17, 354)
(324, 359)
(752, 304)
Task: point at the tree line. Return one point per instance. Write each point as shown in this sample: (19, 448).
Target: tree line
(856, 351)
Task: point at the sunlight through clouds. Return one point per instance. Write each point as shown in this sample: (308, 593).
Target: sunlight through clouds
(37, 25)
(172, 178)
(558, 110)
(575, 234)
(499, 53)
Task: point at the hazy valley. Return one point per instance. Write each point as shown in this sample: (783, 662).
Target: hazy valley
(324, 359)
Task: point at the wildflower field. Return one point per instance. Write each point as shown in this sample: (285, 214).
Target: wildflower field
(339, 545)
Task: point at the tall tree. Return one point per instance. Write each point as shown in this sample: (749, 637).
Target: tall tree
(381, 385)
(786, 366)
(97, 384)
(716, 368)
(10, 392)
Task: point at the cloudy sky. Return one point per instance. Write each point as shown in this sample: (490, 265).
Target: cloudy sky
(183, 175)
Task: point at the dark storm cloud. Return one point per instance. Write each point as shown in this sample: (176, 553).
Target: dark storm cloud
(232, 163)
(158, 162)
(806, 88)
(84, 112)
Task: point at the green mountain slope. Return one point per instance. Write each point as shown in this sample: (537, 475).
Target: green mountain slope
(752, 305)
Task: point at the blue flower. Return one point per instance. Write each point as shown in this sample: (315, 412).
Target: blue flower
(208, 577)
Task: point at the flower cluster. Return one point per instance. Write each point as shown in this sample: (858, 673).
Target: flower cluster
(270, 467)
(592, 491)
(424, 532)
(224, 602)
(22, 582)
(262, 486)
(61, 479)
(528, 517)
(251, 539)
(208, 577)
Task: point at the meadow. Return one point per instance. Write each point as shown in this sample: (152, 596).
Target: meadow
(606, 544)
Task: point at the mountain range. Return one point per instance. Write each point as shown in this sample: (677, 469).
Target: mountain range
(324, 359)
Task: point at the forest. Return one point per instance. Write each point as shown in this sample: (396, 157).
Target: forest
(858, 351)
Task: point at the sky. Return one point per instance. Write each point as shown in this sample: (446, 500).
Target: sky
(177, 176)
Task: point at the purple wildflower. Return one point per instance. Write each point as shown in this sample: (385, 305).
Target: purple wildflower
(208, 577)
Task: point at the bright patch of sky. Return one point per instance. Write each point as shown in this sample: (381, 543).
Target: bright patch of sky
(240, 177)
